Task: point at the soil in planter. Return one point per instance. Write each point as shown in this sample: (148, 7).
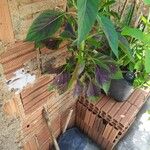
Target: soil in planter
(74, 139)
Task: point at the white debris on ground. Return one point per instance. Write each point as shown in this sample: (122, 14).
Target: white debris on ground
(20, 80)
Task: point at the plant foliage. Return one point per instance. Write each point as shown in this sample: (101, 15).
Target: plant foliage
(98, 45)
(45, 26)
(87, 12)
(110, 32)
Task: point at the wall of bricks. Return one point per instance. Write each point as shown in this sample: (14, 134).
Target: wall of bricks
(28, 101)
(22, 78)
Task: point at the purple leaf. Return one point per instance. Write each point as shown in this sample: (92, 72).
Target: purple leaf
(61, 81)
(102, 75)
(113, 68)
(78, 89)
(68, 27)
(93, 91)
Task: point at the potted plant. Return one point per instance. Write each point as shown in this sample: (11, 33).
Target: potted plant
(138, 71)
(93, 41)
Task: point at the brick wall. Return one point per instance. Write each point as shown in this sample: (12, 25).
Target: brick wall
(28, 100)
(22, 78)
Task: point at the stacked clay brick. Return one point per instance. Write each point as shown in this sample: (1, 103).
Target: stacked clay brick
(16, 17)
(29, 102)
(106, 121)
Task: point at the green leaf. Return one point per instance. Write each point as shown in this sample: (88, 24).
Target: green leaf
(147, 60)
(68, 32)
(94, 43)
(45, 26)
(128, 17)
(138, 65)
(66, 35)
(106, 87)
(87, 12)
(106, 4)
(39, 44)
(110, 33)
(117, 75)
(148, 111)
(137, 34)
(51, 88)
(102, 64)
(115, 14)
(93, 99)
(124, 45)
(147, 2)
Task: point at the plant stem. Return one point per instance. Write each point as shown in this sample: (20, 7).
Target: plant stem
(81, 52)
(73, 2)
(39, 63)
(148, 19)
(119, 61)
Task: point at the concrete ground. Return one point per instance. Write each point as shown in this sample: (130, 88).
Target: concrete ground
(138, 136)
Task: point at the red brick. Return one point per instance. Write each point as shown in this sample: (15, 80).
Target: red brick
(129, 116)
(134, 96)
(120, 114)
(140, 100)
(40, 82)
(16, 63)
(106, 134)
(40, 103)
(16, 51)
(101, 103)
(106, 108)
(114, 110)
(31, 144)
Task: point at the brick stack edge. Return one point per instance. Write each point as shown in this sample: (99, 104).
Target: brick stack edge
(107, 121)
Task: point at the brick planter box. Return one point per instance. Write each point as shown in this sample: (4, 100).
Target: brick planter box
(106, 121)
